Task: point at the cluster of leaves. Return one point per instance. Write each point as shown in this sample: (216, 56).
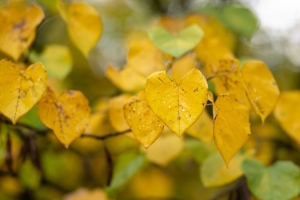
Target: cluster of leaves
(172, 75)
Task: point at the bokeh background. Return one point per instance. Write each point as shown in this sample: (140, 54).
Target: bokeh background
(70, 173)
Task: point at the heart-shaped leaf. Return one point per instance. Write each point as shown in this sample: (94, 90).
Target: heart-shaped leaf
(176, 45)
(180, 104)
(68, 114)
(279, 181)
(20, 90)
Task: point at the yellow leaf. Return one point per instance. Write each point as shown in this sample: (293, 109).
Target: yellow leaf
(20, 90)
(82, 193)
(178, 105)
(126, 79)
(67, 115)
(228, 79)
(18, 24)
(231, 126)
(99, 122)
(261, 88)
(216, 43)
(116, 112)
(287, 113)
(145, 58)
(158, 184)
(202, 128)
(84, 25)
(215, 173)
(145, 125)
(165, 149)
(182, 66)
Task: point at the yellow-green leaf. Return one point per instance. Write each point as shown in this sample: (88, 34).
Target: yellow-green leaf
(20, 90)
(57, 60)
(231, 126)
(287, 113)
(67, 115)
(18, 27)
(145, 125)
(178, 105)
(261, 87)
(176, 45)
(215, 173)
(84, 25)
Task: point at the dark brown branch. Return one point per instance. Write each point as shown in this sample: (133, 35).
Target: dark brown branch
(103, 137)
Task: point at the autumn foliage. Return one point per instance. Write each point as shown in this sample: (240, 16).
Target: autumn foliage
(181, 96)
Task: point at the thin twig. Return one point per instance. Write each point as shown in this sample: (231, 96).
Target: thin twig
(103, 137)
(42, 132)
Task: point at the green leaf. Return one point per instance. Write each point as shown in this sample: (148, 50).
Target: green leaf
(279, 181)
(176, 45)
(239, 19)
(127, 165)
(32, 119)
(215, 173)
(30, 177)
(57, 60)
(62, 168)
(199, 150)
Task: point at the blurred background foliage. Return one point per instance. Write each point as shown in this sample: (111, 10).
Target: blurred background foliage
(55, 171)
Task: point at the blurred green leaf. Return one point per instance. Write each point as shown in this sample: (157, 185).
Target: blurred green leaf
(215, 173)
(176, 45)
(32, 119)
(29, 175)
(199, 150)
(127, 165)
(239, 19)
(57, 60)
(62, 168)
(279, 181)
